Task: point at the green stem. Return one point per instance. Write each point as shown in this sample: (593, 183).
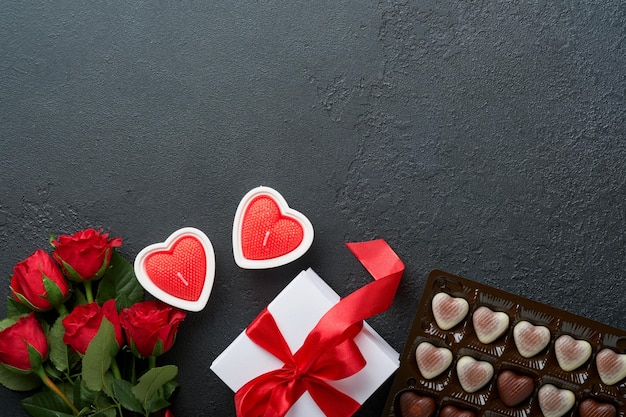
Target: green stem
(115, 369)
(152, 362)
(62, 310)
(88, 291)
(48, 382)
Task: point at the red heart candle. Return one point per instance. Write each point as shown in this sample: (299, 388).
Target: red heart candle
(179, 271)
(267, 233)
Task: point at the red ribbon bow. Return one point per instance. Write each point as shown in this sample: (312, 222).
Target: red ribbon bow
(329, 352)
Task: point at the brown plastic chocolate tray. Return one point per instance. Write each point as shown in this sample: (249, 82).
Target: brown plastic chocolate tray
(560, 379)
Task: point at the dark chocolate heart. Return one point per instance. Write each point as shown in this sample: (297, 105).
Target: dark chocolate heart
(414, 405)
(593, 408)
(452, 411)
(514, 388)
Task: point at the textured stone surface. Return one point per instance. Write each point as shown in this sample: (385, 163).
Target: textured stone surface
(482, 138)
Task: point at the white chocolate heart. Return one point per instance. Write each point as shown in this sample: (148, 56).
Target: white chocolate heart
(571, 353)
(488, 324)
(449, 311)
(530, 339)
(555, 402)
(432, 360)
(473, 374)
(611, 366)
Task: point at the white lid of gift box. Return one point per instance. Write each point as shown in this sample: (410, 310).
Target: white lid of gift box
(296, 310)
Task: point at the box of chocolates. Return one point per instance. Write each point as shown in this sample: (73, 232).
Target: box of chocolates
(474, 351)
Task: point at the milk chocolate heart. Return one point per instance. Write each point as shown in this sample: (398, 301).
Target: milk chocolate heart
(267, 233)
(593, 408)
(514, 388)
(530, 339)
(473, 374)
(413, 405)
(611, 366)
(571, 353)
(488, 324)
(179, 271)
(431, 360)
(449, 311)
(555, 402)
(452, 411)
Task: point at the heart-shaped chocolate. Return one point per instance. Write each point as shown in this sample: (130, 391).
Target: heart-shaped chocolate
(179, 271)
(267, 233)
(593, 408)
(452, 411)
(571, 353)
(432, 360)
(473, 374)
(414, 405)
(611, 366)
(514, 388)
(530, 339)
(488, 324)
(449, 311)
(555, 402)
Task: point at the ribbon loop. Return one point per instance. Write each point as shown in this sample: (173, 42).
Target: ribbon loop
(329, 352)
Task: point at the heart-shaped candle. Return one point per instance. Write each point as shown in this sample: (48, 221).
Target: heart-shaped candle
(449, 311)
(571, 353)
(488, 324)
(414, 405)
(267, 233)
(611, 366)
(179, 271)
(473, 374)
(555, 402)
(593, 408)
(514, 388)
(431, 360)
(530, 339)
(452, 411)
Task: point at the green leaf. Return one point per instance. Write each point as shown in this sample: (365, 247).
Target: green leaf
(17, 381)
(97, 359)
(120, 283)
(46, 404)
(169, 388)
(156, 403)
(122, 390)
(10, 321)
(15, 308)
(150, 382)
(59, 352)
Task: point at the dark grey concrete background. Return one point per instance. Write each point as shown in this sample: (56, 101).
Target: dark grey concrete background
(483, 138)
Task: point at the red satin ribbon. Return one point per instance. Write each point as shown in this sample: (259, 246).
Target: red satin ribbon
(329, 352)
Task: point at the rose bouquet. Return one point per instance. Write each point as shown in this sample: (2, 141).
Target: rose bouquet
(79, 330)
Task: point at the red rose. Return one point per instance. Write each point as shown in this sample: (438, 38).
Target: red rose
(27, 282)
(86, 254)
(14, 342)
(83, 323)
(151, 327)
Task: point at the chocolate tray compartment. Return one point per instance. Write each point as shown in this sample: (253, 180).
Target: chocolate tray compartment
(477, 351)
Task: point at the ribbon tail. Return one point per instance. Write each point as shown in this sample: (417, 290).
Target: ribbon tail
(332, 402)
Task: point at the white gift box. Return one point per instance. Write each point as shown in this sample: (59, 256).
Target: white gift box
(296, 310)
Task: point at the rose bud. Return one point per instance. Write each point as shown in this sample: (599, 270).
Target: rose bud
(151, 327)
(85, 255)
(38, 282)
(15, 341)
(83, 323)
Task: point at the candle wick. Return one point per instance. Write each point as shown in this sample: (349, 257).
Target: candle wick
(267, 235)
(182, 278)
